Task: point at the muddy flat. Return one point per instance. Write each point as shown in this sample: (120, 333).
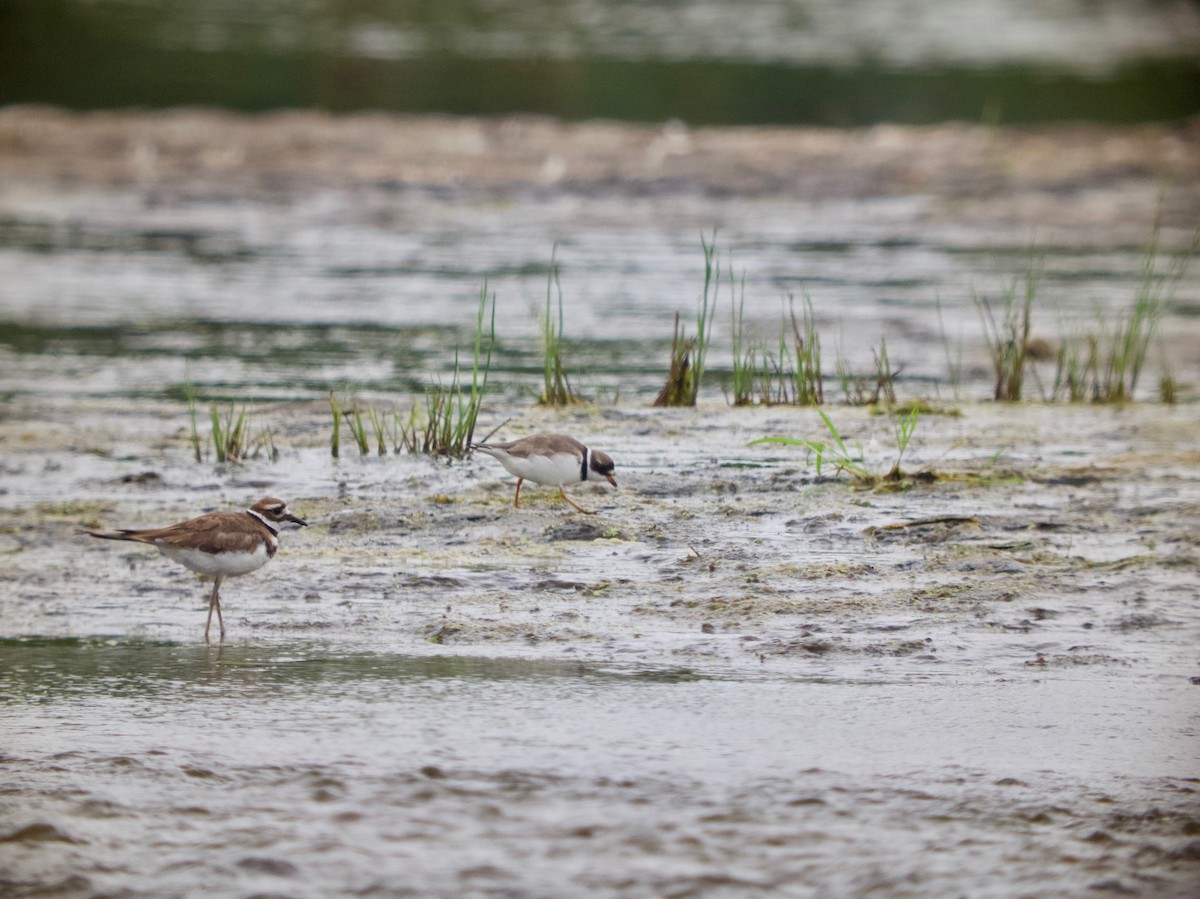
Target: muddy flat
(745, 674)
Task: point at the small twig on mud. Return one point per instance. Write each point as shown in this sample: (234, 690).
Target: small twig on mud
(944, 519)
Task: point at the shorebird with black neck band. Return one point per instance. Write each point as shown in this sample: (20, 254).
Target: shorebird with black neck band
(553, 460)
(219, 544)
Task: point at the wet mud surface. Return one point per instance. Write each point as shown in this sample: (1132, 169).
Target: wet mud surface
(734, 678)
(738, 678)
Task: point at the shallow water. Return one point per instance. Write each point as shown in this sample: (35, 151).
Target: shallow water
(300, 769)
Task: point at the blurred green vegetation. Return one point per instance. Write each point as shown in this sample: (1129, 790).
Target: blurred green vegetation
(252, 57)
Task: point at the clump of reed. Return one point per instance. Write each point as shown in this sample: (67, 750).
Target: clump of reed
(1168, 387)
(903, 429)
(1008, 337)
(557, 389)
(789, 375)
(189, 393)
(757, 375)
(680, 388)
(442, 423)
(452, 411)
(688, 353)
(231, 437)
(868, 389)
(356, 418)
(1105, 363)
(785, 374)
(808, 383)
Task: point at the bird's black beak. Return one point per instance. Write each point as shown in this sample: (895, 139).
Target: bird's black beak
(292, 518)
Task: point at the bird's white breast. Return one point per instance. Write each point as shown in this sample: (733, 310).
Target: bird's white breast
(553, 471)
(227, 564)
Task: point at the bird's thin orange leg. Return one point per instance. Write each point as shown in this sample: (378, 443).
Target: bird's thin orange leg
(517, 498)
(575, 505)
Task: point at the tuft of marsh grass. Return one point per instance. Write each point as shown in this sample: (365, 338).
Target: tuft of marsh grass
(442, 423)
(826, 454)
(1168, 387)
(711, 274)
(356, 418)
(680, 389)
(868, 389)
(834, 453)
(556, 389)
(904, 427)
(1076, 368)
(852, 387)
(1105, 363)
(1129, 343)
(379, 427)
(758, 377)
(885, 377)
(789, 375)
(1007, 338)
(808, 384)
(335, 442)
(688, 354)
(744, 357)
(189, 392)
(231, 438)
(408, 431)
(446, 424)
(228, 436)
(266, 442)
(358, 430)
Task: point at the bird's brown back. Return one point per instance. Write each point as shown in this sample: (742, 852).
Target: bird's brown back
(211, 533)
